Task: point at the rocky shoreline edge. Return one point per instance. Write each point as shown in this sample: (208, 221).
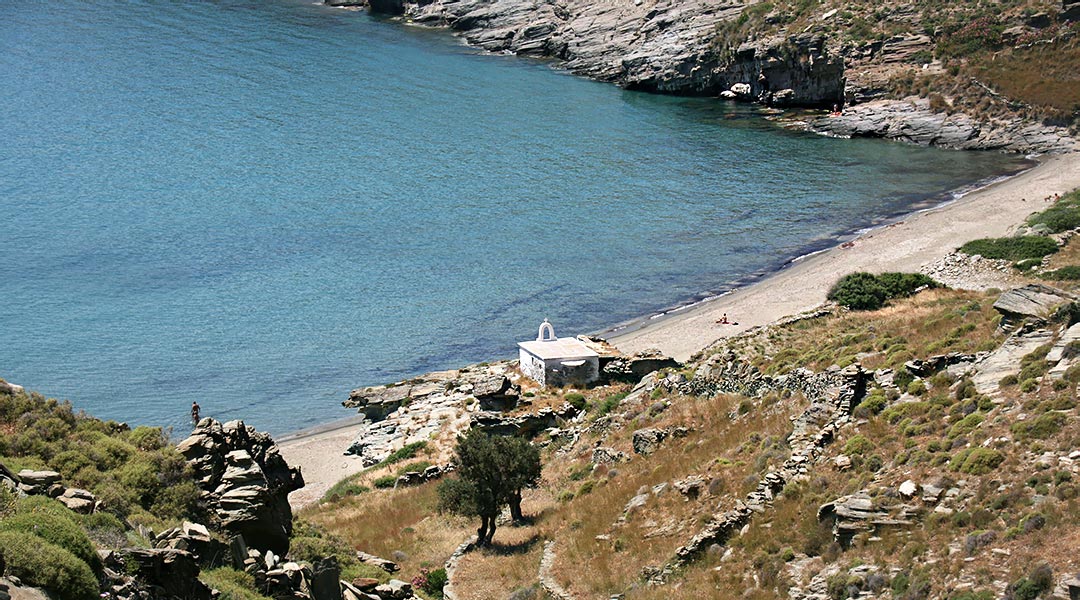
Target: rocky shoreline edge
(670, 47)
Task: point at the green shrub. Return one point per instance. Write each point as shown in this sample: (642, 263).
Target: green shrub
(1062, 216)
(1041, 427)
(1066, 273)
(865, 291)
(965, 426)
(873, 404)
(404, 453)
(148, 438)
(1013, 248)
(58, 530)
(916, 388)
(858, 445)
(385, 482)
(39, 563)
(1027, 264)
(345, 488)
(432, 582)
(902, 379)
(576, 400)
(233, 584)
(1072, 374)
(976, 461)
(610, 403)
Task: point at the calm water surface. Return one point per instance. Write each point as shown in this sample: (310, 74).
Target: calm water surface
(260, 205)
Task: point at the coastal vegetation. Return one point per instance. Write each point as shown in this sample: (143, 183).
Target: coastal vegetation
(866, 291)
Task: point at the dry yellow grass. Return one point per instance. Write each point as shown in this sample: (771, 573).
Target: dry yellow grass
(511, 563)
(386, 522)
(649, 536)
(932, 322)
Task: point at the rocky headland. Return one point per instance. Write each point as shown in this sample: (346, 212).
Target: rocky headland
(781, 54)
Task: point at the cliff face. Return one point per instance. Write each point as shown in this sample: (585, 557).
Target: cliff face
(790, 54)
(663, 46)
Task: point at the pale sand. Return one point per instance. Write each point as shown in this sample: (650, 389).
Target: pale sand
(319, 452)
(919, 239)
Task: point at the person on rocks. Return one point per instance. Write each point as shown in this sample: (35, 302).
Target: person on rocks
(195, 412)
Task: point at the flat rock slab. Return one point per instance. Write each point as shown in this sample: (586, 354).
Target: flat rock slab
(1033, 300)
(1006, 360)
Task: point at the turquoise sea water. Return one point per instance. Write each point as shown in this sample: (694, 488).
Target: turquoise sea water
(260, 205)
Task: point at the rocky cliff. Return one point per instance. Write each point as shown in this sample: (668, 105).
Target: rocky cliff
(662, 46)
(781, 54)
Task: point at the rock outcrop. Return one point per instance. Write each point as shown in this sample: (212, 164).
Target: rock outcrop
(859, 512)
(632, 368)
(912, 120)
(245, 482)
(423, 407)
(668, 46)
(1031, 302)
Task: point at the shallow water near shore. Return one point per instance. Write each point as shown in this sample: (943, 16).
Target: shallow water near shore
(261, 205)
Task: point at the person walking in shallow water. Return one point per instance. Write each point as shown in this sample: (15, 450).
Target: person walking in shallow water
(195, 412)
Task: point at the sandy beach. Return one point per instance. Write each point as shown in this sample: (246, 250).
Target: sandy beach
(919, 239)
(907, 245)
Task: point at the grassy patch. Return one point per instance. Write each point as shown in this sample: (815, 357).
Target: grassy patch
(1014, 248)
(1062, 216)
(233, 584)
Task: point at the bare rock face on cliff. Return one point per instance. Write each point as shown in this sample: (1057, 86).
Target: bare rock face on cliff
(665, 46)
(912, 120)
(245, 482)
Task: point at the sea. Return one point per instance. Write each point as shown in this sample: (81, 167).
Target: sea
(260, 205)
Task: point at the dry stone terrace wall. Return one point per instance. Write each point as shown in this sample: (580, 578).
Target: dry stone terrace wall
(832, 394)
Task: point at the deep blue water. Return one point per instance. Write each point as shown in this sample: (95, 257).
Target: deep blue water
(261, 204)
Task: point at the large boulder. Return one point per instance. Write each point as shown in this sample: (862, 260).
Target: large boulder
(168, 573)
(1034, 301)
(245, 482)
(633, 367)
(647, 441)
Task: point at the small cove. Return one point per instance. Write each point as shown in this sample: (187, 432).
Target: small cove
(261, 205)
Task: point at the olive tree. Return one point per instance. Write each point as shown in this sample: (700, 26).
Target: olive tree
(491, 472)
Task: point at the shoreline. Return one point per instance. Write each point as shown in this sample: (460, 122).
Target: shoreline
(945, 199)
(905, 243)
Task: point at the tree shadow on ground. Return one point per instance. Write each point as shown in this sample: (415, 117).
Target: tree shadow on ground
(522, 547)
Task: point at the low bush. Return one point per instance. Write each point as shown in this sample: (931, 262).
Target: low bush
(41, 564)
(404, 453)
(874, 403)
(858, 445)
(57, 530)
(1013, 248)
(1039, 428)
(431, 582)
(976, 461)
(1067, 273)
(385, 482)
(576, 400)
(866, 291)
(965, 426)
